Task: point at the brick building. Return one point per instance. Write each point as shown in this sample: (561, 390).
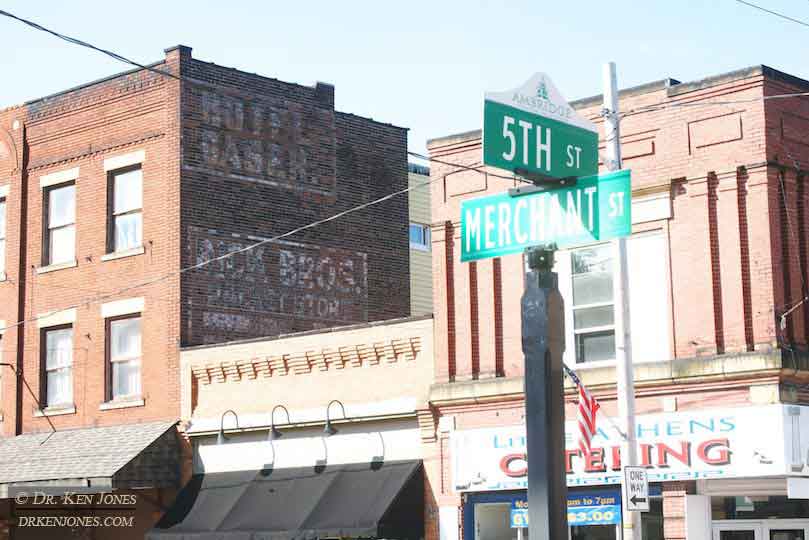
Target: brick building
(107, 190)
(717, 274)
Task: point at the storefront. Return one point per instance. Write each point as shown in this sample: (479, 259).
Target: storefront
(363, 480)
(747, 467)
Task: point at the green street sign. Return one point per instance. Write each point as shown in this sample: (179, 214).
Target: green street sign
(597, 208)
(533, 129)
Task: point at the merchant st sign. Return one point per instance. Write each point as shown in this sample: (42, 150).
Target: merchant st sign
(594, 209)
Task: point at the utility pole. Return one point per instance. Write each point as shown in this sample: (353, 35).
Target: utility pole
(623, 343)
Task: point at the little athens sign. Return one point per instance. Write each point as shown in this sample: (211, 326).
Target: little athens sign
(596, 208)
(720, 443)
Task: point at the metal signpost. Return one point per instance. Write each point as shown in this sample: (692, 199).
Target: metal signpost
(533, 132)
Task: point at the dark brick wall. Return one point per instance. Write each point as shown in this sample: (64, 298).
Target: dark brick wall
(260, 158)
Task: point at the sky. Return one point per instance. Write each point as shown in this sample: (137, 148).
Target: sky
(419, 64)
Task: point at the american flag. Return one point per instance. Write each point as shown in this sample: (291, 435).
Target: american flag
(587, 411)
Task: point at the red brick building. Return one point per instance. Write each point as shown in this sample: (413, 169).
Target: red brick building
(717, 271)
(109, 189)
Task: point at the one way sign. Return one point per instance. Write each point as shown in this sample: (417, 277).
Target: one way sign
(636, 489)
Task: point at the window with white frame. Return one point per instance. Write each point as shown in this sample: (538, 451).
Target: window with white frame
(420, 236)
(124, 357)
(2, 236)
(60, 227)
(593, 309)
(57, 363)
(586, 282)
(125, 209)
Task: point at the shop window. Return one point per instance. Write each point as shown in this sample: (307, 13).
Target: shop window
(124, 357)
(57, 366)
(586, 283)
(60, 224)
(125, 207)
(758, 507)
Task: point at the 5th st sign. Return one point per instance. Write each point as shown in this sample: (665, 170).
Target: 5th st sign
(533, 129)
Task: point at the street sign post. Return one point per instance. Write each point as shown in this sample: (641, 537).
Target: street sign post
(636, 489)
(596, 208)
(533, 129)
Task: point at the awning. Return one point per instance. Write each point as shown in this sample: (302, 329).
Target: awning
(121, 457)
(359, 500)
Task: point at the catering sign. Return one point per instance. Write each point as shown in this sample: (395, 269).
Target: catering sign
(719, 443)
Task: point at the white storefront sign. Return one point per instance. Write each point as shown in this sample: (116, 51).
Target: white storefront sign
(757, 441)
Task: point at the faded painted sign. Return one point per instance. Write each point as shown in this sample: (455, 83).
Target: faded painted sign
(271, 141)
(277, 287)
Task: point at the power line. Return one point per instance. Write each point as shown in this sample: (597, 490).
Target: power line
(224, 256)
(81, 43)
(775, 13)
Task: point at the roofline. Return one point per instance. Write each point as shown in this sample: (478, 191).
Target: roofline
(91, 83)
(673, 87)
(638, 90)
(347, 328)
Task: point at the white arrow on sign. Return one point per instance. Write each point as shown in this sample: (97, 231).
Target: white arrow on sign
(636, 489)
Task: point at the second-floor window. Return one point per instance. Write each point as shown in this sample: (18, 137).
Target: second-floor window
(420, 236)
(57, 363)
(2, 236)
(125, 209)
(593, 310)
(586, 278)
(60, 226)
(124, 357)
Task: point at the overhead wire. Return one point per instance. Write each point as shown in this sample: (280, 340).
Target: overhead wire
(775, 13)
(124, 59)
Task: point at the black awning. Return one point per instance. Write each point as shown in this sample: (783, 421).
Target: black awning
(357, 500)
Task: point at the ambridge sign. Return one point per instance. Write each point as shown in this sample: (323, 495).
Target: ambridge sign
(721, 443)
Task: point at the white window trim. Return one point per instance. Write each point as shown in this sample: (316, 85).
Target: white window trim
(123, 254)
(5, 191)
(651, 208)
(124, 160)
(58, 266)
(426, 227)
(56, 410)
(122, 403)
(56, 318)
(563, 269)
(60, 177)
(128, 306)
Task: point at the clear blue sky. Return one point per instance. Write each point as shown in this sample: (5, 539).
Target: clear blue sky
(418, 64)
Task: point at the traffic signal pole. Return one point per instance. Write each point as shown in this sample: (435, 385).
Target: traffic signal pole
(623, 345)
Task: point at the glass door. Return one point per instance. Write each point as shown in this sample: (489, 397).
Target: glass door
(737, 531)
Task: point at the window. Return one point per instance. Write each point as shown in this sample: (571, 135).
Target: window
(123, 357)
(586, 282)
(420, 236)
(57, 360)
(593, 310)
(60, 227)
(2, 236)
(125, 209)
